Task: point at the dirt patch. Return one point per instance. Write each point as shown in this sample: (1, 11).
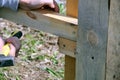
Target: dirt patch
(39, 57)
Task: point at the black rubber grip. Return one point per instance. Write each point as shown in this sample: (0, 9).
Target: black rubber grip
(6, 61)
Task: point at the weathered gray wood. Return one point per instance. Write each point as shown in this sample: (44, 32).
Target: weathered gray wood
(113, 53)
(38, 20)
(92, 40)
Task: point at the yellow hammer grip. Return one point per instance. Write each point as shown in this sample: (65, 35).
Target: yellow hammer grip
(5, 49)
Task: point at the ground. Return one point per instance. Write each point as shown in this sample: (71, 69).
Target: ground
(39, 57)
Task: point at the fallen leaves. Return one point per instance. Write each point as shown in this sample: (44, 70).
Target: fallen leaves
(39, 58)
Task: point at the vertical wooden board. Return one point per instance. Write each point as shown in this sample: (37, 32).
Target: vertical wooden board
(92, 40)
(113, 52)
(70, 62)
(67, 47)
(72, 8)
(69, 68)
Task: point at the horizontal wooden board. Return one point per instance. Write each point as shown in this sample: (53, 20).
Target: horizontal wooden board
(45, 21)
(68, 47)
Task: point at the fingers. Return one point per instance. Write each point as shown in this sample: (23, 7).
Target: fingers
(12, 50)
(36, 4)
(52, 5)
(56, 8)
(1, 43)
(16, 43)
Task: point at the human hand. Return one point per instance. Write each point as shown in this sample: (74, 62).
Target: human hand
(14, 44)
(36, 4)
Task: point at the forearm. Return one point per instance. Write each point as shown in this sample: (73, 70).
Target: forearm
(12, 4)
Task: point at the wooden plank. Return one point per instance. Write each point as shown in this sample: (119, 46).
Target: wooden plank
(67, 47)
(72, 8)
(41, 21)
(70, 68)
(113, 52)
(92, 40)
(70, 62)
(70, 20)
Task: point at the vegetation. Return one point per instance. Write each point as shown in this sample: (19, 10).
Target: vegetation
(39, 57)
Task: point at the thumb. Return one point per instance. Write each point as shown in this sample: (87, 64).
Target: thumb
(52, 5)
(1, 43)
(12, 50)
(15, 42)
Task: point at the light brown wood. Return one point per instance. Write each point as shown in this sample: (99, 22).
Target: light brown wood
(72, 8)
(70, 62)
(69, 68)
(67, 46)
(113, 52)
(67, 19)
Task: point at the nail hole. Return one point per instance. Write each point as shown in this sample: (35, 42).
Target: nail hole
(92, 57)
(114, 76)
(58, 43)
(64, 45)
(74, 32)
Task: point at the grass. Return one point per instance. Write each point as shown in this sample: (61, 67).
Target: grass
(37, 47)
(62, 8)
(2, 76)
(31, 43)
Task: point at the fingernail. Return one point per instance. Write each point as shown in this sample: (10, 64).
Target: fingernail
(52, 6)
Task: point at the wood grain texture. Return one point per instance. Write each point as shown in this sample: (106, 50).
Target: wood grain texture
(70, 66)
(70, 62)
(92, 40)
(113, 52)
(72, 8)
(68, 47)
(44, 22)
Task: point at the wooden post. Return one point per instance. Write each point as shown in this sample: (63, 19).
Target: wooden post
(69, 68)
(113, 53)
(92, 40)
(72, 8)
(70, 62)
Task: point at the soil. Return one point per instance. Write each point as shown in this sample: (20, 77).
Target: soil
(39, 57)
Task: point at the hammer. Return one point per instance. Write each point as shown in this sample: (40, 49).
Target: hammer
(6, 60)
